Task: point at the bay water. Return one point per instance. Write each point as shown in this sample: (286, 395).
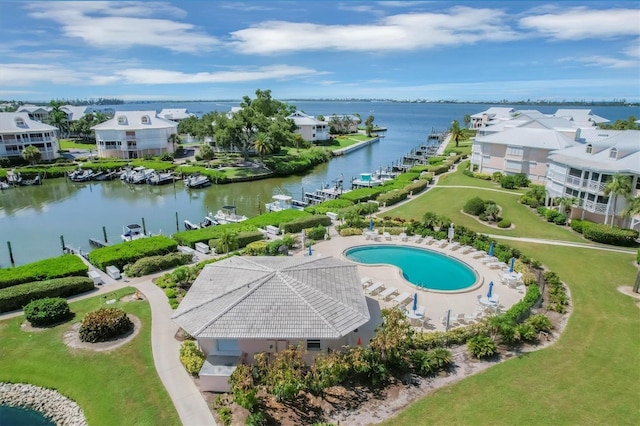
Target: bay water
(33, 219)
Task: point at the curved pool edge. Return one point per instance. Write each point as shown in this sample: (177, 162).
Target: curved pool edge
(476, 285)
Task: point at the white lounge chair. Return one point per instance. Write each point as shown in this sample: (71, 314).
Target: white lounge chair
(403, 236)
(489, 259)
(386, 294)
(387, 236)
(466, 249)
(375, 288)
(366, 281)
(401, 298)
(429, 240)
(478, 254)
(471, 318)
(442, 243)
(454, 246)
(417, 239)
(495, 265)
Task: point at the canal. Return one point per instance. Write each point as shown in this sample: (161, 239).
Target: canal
(32, 219)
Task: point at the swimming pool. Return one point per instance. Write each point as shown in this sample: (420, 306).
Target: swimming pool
(423, 268)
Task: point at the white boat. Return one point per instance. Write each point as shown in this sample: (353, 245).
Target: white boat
(366, 180)
(197, 181)
(81, 175)
(228, 215)
(136, 175)
(188, 225)
(133, 232)
(284, 202)
(160, 178)
(4, 185)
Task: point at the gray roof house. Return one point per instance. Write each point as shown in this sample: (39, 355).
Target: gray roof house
(175, 114)
(245, 305)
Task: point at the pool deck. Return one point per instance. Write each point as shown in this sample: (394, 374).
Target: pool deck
(436, 303)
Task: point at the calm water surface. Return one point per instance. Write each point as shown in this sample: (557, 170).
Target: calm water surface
(14, 416)
(33, 218)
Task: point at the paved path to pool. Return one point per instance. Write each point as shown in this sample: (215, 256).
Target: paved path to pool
(564, 243)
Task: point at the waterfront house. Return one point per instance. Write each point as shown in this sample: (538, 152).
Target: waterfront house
(582, 172)
(245, 305)
(518, 150)
(134, 134)
(175, 114)
(582, 117)
(491, 116)
(18, 130)
(309, 127)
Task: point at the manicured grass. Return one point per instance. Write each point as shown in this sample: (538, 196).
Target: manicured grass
(590, 376)
(449, 201)
(118, 387)
(69, 144)
(457, 178)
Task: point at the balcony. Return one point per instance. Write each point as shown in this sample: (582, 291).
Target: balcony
(589, 185)
(593, 207)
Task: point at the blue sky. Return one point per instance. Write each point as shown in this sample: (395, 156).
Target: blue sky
(404, 50)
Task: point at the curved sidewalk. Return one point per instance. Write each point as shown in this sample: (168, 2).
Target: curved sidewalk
(184, 393)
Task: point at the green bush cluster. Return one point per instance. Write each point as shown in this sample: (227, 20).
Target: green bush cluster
(302, 161)
(361, 195)
(191, 357)
(504, 223)
(104, 324)
(519, 180)
(474, 206)
(130, 251)
(557, 293)
(47, 311)
(316, 233)
(347, 232)
(392, 197)
(241, 240)
(18, 296)
(482, 346)
(416, 186)
(328, 206)
(552, 215)
(601, 233)
(298, 225)
(66, 265)
(151, 264)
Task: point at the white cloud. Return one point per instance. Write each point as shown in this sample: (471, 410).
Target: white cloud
(274, 72)
(582, 23)
(460, 25)
(28, 74)
(603, 61)
(123, 25)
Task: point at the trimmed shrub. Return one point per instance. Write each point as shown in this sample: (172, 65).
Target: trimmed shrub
(298, 225)
(347, 232)
(191, 357)
(47, 311)
(521, 180)
(504, 223)
(601, 233)
(482, 176)
(541, 210)
(149, 265)
(577, 225)
(328, 206)
(317, 233)
(130, 251)
(392, 197)
(256, 248)
(361, 195)
(482, 346)
(540, 322)
(508, 182)
(18, 296)
(67, 265)
(474, 206)
(550, 215)
(104, 324)
(417, 186)
(560, 219)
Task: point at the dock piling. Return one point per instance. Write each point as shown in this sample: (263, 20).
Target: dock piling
(177, 223)
(62, 242)
(13, 262)
(104, 234)
(144, 227)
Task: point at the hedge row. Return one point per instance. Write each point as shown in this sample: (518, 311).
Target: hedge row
(242, 239)
(18, 296)
(130, 251)
(306, 222)
(204, 235)
(151, 264)
(67, 265)
(328, 206)
(601, 233)
(392, 197)
(361, 195)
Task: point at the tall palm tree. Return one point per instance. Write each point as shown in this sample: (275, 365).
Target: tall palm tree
(58, 118)
(633, 207)
(456, 131)
(263, 145)
(619, 184)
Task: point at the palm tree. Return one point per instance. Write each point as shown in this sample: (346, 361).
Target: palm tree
(263, 145)
(633, 207)
(466, 119)
(229, 241)
(31, 154)
(565, 203)
(456, 131)
(619, 184)
(58, 118)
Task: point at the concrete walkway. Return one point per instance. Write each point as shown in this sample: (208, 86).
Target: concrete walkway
(563, 243)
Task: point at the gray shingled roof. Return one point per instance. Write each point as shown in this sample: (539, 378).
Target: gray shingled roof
(264, 297)
(528, 137)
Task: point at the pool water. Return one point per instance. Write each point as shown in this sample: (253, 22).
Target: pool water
(424, 268)
(15, 416)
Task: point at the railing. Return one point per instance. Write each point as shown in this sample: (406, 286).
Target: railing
(590, 185)
(593, 207)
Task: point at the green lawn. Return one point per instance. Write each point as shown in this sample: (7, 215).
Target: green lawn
(119, 387)
(449, 201)
(457, 178)
(67, 144)
(590, 376)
